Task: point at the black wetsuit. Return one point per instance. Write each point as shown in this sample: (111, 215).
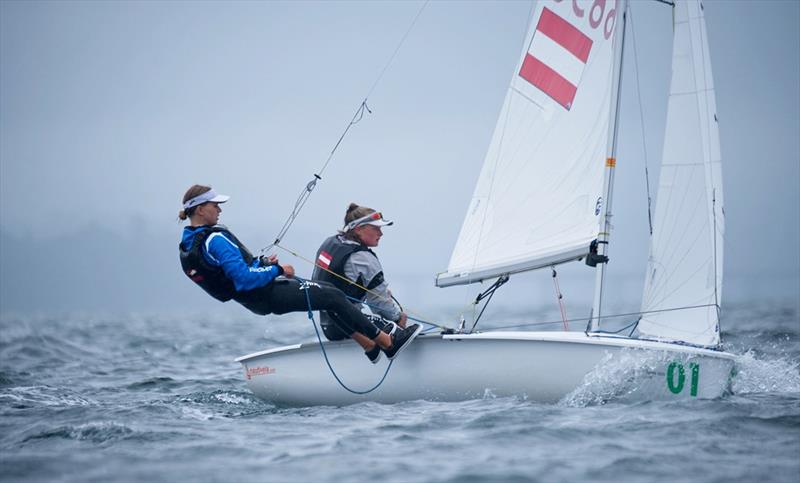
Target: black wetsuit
(220, 264)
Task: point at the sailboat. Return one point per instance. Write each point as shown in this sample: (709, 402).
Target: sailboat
(544, 198)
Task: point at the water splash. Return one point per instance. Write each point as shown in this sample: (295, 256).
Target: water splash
(624, 375)
(220, 404)
(238, 399)
(758, 375)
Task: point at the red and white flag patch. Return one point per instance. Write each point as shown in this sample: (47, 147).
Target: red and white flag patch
(324, 259)
(556, 58)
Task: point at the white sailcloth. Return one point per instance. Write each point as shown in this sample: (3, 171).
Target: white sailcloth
(539, 194)
(685, 265)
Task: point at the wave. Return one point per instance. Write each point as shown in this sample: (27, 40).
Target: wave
(23, 397)
(220, 404)
(761, 375)
(95, 432)
(161, 383)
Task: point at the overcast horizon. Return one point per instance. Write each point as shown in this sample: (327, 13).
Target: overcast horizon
(109, 111)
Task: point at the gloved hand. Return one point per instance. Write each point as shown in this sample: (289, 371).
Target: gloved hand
(267, 261)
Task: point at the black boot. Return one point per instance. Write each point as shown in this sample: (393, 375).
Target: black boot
(401, 338)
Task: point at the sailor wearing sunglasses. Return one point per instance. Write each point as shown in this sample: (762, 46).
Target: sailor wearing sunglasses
(213, 258)
(347, 261)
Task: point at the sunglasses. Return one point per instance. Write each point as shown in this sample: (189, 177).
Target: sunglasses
(363, 220)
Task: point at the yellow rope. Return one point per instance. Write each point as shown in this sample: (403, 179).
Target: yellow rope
(354, 283)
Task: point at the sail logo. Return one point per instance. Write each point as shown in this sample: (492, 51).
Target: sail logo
(556, 58)
(250, 372)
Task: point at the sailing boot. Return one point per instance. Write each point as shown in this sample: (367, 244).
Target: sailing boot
(385, 325)
(389, 327)
(374, 355)
(401, 338)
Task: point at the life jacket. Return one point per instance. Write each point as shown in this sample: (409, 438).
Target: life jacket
(332, 255)
(209, 277)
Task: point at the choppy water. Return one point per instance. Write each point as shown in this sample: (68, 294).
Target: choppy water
(93, 397)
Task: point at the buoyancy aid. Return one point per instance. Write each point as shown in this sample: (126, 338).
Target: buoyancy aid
(332, 255)
(209, 277)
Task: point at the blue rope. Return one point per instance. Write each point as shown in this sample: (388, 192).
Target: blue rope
(325, 353)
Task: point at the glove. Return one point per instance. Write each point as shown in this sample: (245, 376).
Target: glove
(267, 261)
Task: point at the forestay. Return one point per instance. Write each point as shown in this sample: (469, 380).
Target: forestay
(685, 266)
(539, 195)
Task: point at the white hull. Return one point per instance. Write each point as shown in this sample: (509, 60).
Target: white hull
(539, 366)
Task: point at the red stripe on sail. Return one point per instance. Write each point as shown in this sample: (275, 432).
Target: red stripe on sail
(548, 80)
(565, 34)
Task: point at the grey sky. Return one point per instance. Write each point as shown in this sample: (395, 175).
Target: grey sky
(110, 110)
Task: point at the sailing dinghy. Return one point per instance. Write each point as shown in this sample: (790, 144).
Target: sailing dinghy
(544, 198)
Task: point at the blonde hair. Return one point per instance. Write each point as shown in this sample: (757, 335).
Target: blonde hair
(195, 190)
(355, 212)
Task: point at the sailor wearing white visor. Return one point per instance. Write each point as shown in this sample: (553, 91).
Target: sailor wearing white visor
(209, 196)
(213, 258)
(347, 261)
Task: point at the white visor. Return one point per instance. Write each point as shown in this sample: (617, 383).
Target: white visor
(374, 219)
(208, 196)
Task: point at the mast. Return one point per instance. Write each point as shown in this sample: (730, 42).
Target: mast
(608, 178)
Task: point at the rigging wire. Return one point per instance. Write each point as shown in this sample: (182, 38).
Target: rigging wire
(560, 298)
(397, 49)
(641, 120)
(584, 319)
(305, 193)
(489, 292)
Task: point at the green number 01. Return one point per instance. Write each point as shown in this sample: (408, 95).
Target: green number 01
(677, 387)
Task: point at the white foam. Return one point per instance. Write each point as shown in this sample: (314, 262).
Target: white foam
(43, 396)
(755, 375)
(626, 375)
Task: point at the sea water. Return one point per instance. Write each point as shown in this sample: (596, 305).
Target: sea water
(155, 397)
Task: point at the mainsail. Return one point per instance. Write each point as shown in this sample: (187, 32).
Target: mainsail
(539, 195)
(685, 266)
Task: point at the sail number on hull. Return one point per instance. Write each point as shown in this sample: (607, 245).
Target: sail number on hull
(675, 382)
